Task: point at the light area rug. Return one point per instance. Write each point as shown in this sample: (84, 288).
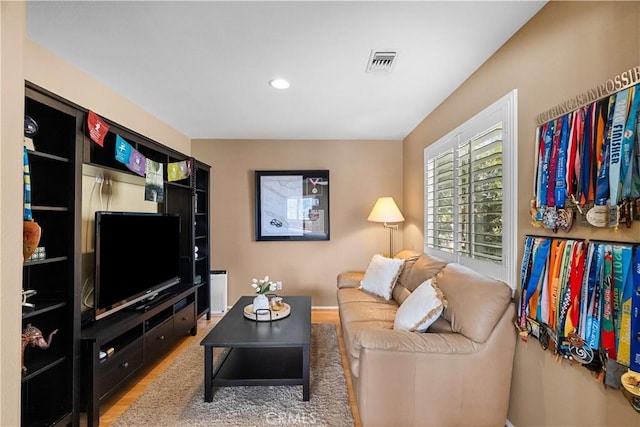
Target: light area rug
(176, 396)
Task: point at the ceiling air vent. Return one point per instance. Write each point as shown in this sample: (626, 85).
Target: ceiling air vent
(381, 61)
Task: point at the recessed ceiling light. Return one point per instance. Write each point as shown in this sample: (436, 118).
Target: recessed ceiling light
(280, 83)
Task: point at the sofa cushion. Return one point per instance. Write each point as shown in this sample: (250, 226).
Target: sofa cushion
(380, 275)
(417, 268)
(420, 309)
(346, 295)
(367, 311)
(349, 279)
(475, 302)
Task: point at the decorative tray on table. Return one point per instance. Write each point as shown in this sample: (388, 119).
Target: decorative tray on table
(277, 311)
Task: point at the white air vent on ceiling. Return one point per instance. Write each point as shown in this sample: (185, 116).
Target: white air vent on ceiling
(381, 61)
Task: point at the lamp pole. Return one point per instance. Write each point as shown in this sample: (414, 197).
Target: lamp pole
(391, 228)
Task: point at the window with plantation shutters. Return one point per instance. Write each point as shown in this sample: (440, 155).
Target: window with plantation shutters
(470, 200)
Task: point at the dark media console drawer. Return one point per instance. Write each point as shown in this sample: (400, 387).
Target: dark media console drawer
(185, 320)
(158, 340)
(119, 366)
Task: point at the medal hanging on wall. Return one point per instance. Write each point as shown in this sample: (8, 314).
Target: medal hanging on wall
(598, 216)
(550, 215)
(564, 216)
(616, 137)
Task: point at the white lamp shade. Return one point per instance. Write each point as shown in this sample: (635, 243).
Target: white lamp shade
(385, 210)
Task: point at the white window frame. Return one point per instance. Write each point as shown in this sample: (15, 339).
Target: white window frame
(504, 110)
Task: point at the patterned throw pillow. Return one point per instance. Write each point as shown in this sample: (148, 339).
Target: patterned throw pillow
(380, 275)
(421, 308)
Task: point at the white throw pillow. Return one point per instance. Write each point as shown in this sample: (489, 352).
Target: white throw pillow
(420, 309)
(381, 275)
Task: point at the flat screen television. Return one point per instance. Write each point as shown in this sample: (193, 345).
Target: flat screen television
(137, 256)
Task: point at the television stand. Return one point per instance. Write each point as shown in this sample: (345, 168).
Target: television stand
(153, 300)
(129, 340)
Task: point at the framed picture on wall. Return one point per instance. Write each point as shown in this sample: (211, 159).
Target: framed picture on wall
(292, 205)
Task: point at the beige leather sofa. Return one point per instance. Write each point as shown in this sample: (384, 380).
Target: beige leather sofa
(458, 373)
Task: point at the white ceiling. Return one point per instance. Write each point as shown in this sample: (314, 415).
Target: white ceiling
(203, 67)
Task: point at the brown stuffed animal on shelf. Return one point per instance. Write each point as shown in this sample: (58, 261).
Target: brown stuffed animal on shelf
(33, 336)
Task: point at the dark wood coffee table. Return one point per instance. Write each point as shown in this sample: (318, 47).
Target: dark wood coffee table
(260, 353)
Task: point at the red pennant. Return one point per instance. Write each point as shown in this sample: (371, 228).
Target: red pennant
(97, 128)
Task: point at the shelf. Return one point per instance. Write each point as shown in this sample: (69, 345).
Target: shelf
(40, 208)
(38, 368)
(41, 308)
(44, 261)
(178, 185)
(48, 156)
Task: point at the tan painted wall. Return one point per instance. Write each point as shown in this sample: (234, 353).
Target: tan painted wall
(12, 31)
(360, 172)
(567, 48)
(50, 72)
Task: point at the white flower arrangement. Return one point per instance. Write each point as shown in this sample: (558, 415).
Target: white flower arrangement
(263, 286)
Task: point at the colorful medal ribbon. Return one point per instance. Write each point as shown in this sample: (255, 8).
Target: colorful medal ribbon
(539, 261)
(592, 325)
(615, 144)
(573, 155)
(623, 268)
(575, 283)
(546, 158)
(635, 164)
(608, 334)
(553, 163)
(628, 149)
(554, 282)
(602, 181)
(561, 168)
(537, 161)
(586, 167)
(584, 292)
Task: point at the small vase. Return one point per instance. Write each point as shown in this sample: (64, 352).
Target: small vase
(31, 233)
(260, 302)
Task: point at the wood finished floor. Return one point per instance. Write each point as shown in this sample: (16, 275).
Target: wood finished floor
(120, 401)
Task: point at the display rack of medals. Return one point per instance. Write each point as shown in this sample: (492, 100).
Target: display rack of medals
(581, 300)
(587, 165)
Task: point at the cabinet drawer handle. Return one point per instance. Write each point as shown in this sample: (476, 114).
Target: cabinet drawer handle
(185, 318)
(161, 337)
(125, 365)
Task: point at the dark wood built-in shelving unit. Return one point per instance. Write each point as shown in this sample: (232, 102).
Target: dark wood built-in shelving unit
(53, 390)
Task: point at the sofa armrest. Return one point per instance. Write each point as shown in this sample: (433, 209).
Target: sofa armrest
(416, 342)
(431, 376)
(350, 279)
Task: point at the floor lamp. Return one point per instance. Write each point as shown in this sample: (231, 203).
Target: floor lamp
(385, 210)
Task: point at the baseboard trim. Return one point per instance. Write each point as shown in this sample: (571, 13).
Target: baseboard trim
(508, 423)
(324, 307)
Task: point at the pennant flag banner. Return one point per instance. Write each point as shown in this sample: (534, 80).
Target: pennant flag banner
(179, 170)
(153, 189)
(137, 162)
(97, 128)
(123, 150)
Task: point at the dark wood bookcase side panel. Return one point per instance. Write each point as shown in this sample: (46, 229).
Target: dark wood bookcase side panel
(202, 239)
